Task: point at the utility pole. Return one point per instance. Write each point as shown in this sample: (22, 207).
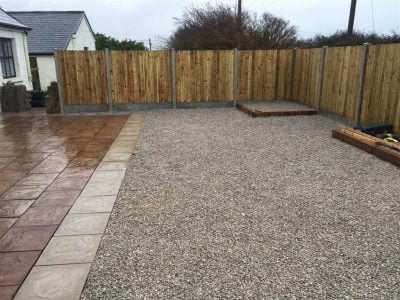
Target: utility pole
(239, 15)
(351, 17)
(150, 44)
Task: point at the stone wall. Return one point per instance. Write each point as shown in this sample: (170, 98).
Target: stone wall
(52, 99)
(14, 98)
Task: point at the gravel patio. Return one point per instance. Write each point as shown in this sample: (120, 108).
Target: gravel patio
(216, 204)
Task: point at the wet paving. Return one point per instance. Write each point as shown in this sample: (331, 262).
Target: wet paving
(45, 162)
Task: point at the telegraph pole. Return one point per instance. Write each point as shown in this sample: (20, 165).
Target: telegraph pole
(150, 44)
(351, 17)
(239, 15)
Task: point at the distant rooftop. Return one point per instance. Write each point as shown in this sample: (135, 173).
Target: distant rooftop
(50, 29)
(9, 21)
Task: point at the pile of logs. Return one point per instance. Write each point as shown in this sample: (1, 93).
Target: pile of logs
(14, 98)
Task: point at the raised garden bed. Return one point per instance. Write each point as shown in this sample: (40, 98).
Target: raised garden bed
(384, 150)
(275, 109)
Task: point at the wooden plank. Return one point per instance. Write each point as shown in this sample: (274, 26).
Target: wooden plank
(108, 79)
(235, 76)
(141, 76)
(60, 82)
(363, 63)
(367, 143)
(257, 75)
(204, 75)
(381, 94)
(255, 113)
(83, 77)
(173, 77)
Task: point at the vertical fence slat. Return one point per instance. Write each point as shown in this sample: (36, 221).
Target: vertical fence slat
(321, 76)
(173, 77)
(108, 79)
(360, 88)
(235, 76)
(292, 79)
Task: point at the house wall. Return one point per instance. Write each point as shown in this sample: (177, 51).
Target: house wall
(21, 58)
(83, 38)
(46, 63)
(47, 70)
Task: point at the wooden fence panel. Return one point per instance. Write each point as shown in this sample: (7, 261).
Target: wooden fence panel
(340, 80)
(83, 77)
(284, 78)
(381, 97)
(257, 75)
(204, 76)
(145, 77)
(140, 77)
(306, 76)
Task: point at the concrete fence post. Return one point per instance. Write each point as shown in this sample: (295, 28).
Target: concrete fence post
(107, 58)
(59, 81)
(235, 76)
(360, 85)
(321, 76)
(173, 77)
(293, 73)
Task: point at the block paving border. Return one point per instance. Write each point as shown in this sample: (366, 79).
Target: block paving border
(62, 268)
(45, 163)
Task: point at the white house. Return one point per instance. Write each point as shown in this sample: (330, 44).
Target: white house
(53, 30)
(14, 61)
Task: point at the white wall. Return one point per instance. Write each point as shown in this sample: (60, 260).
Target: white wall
(46, 63)
(47, 70)
(21, 58)
(83, 38)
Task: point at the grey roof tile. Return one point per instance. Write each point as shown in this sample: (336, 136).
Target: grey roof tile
(9, 21)
(50, 29)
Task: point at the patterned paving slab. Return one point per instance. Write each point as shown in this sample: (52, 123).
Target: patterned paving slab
(59, 178)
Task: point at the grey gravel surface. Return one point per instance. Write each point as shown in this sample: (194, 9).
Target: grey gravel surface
(276, 105)
(216, 204)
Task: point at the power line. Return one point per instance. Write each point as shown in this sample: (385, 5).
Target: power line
(252, 3)
(271, 3)
(261, 4)
(268, 5)
(372, 15)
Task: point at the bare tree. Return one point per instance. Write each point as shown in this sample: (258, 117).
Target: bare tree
(215, 27)
(272, 32)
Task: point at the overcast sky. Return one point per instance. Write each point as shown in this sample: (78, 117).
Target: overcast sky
(144, 19)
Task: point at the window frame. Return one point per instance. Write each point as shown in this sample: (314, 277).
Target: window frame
(7, 60)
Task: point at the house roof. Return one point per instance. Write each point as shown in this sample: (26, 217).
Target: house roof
(50, 29)
(6, 20)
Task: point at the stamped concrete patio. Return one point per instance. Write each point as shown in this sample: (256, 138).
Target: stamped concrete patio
(59, 177)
